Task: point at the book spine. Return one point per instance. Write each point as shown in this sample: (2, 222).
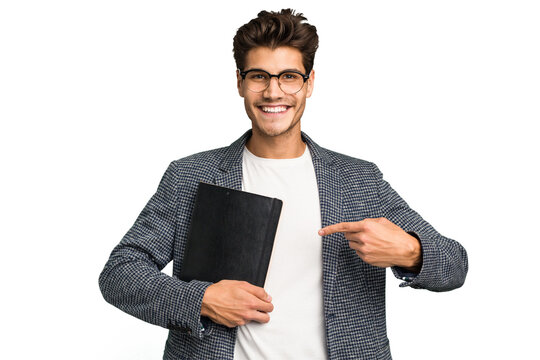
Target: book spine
(270, 235)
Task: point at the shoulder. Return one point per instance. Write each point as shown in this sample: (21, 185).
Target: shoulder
(197, 166)
(351, 166)
(206, 158)
(341, 162)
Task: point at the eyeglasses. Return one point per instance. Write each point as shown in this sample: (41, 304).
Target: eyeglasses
(289, 81)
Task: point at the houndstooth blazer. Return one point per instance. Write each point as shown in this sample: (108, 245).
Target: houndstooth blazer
(353, 291)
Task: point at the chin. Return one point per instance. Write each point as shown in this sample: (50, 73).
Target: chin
(273, 127)
(273, 131)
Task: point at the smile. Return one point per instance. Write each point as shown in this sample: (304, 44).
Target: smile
(274, 109)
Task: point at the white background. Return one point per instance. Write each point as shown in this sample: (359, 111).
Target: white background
(97, 97)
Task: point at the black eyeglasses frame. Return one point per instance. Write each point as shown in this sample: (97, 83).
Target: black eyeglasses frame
(277, 76)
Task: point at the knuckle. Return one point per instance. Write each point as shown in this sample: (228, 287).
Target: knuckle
(251, 304)
(363, 237)
(367, 251)
(368, 224)
(244, 315)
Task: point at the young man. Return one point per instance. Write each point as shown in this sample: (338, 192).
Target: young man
(341, 225)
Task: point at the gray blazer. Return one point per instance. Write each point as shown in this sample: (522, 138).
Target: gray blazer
(353, 291)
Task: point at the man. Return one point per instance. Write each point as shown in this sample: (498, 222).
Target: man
(341, 225)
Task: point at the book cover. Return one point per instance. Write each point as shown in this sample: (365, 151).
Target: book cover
(231, 235)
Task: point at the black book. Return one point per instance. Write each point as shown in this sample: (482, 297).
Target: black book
(231, 235)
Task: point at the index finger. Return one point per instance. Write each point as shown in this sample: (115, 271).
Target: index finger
(257, 291)
(340, 227)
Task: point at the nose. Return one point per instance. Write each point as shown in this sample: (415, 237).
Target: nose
(273, 90)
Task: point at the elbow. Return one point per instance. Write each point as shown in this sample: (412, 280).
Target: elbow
(463, 269)
(105, 285)
(459, 273)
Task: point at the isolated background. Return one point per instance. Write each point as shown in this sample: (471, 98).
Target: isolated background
(97, 97)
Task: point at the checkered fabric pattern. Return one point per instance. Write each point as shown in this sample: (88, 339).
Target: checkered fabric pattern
(353, 291)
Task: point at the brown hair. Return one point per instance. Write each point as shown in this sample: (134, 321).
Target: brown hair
(275, 29)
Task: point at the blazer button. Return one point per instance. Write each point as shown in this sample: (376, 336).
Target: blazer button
(185, 330)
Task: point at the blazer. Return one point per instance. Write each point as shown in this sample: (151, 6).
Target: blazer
(353, 291)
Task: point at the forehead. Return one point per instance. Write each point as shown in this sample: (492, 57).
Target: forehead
(274, 60)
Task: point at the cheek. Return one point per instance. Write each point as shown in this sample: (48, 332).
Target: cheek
(250, 111)
(248, 102)
(300, 104)
(247, 105)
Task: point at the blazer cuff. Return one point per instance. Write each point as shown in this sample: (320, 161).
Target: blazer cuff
(187, 311)
(410, 278)
(403, 274)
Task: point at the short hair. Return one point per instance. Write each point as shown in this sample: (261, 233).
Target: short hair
(274, 29)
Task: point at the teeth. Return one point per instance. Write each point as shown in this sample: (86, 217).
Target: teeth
(274, 109)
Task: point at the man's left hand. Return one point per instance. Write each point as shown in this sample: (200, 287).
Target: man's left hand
(381, 243)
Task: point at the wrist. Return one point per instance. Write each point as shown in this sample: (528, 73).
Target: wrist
(205, 307)
(413, 259)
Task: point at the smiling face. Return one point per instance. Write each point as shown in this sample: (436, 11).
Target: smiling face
(273, 112)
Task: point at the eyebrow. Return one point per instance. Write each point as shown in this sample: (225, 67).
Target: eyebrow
(285, 70)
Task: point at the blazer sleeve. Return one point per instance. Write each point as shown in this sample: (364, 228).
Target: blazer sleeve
(132, 279)
(445, 262)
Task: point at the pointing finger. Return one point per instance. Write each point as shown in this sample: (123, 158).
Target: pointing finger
(340, 227)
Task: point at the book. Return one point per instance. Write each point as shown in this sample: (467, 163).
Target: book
(231, 235)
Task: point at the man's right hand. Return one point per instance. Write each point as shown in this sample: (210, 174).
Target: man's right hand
(233, 303)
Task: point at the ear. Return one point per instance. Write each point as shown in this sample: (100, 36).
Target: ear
(310, 83)
(239, 83)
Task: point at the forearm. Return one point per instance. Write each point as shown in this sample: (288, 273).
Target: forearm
(444, 261)
(134, 284)
(132, 279)
(444, 264)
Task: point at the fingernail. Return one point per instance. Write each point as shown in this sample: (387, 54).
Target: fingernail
(321, 232)
(268, 297)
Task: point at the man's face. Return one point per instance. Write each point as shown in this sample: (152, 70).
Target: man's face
(273, 112)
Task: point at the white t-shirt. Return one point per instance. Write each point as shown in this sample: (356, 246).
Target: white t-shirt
(294, 280)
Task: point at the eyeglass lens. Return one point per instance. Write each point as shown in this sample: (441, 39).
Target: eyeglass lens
(289, 82)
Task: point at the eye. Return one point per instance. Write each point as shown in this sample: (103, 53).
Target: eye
(257, 76)
(290, 76)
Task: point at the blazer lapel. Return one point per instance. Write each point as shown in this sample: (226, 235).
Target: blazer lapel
(231, 179)
(230, 169)
(330, 198)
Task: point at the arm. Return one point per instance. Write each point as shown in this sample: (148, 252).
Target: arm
(401, 239)
(444, 261)
(132, 279)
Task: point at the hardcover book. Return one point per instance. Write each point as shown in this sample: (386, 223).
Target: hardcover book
(231, 235)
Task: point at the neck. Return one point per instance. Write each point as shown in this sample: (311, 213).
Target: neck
(285, 146)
